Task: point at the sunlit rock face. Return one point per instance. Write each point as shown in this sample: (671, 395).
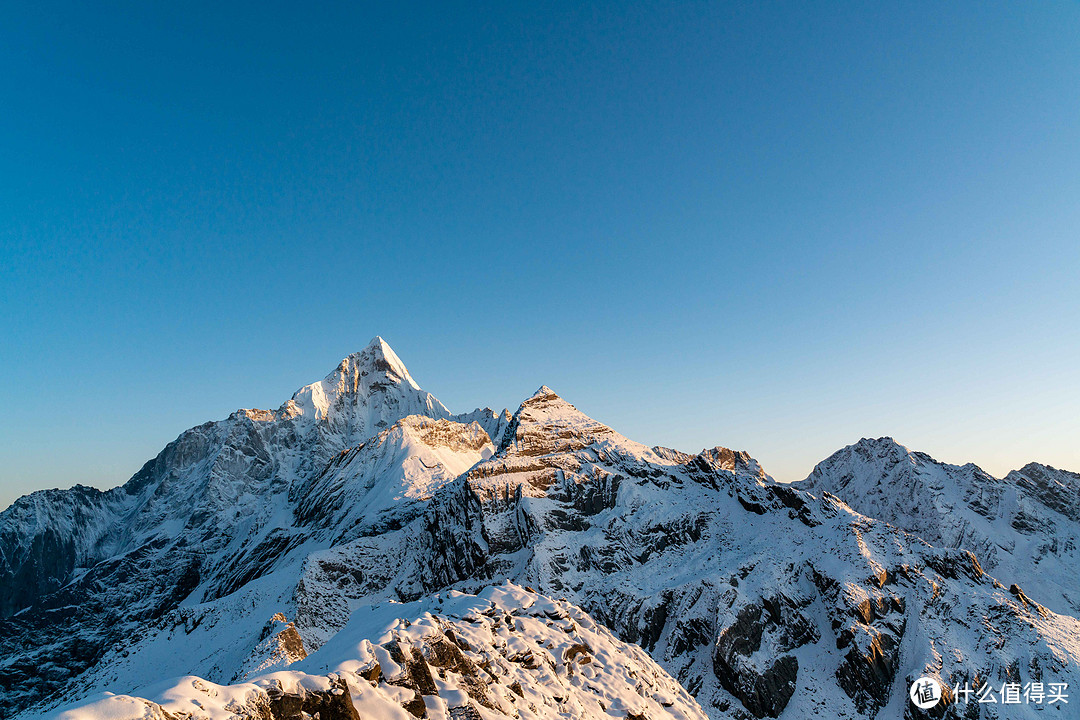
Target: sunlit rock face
(270, 541)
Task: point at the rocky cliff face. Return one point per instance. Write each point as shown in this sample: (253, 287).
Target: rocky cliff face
(253, 545)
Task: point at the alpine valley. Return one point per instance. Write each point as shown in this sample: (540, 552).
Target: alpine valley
(362, 553)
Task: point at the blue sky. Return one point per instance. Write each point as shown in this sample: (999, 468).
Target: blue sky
(775, 227)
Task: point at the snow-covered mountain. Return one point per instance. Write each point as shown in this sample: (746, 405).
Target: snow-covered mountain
(275, 542)
(1023, 528)
(218, 507)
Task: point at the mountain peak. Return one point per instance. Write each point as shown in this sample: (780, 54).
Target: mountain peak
(542, 392)
(883, 448)
(1038, 467)
(884, 442)
(546, 423)
(374, 379)
(376, 357)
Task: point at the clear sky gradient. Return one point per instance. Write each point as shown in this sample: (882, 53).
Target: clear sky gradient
(774, 227)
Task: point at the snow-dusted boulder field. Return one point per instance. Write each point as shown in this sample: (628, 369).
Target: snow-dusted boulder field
(363, 552)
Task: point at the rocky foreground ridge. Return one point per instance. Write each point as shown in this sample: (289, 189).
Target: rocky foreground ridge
(508, 653)
(263, 544)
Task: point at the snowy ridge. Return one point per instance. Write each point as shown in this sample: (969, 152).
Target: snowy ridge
(48, 536)
(507, 653)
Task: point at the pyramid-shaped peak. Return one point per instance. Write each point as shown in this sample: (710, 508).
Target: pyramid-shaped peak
(377, 343)
(368, 389)
(546, 424)
(542, 392)
(379, 358)
(548, 400)
(544, 413)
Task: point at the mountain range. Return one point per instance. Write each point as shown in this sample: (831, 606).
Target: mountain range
(362, 552)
